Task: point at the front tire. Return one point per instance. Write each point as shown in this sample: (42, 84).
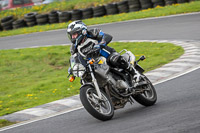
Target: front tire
(149, 96)
(102, 110)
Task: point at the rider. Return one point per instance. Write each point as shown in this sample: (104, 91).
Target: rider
(85, 40)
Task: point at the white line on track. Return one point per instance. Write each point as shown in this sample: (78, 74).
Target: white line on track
(39, 119)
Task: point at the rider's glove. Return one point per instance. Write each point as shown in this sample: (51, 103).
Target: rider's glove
(97, 47)
(102, 44)
(94, 52)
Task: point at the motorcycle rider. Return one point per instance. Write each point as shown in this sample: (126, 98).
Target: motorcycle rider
(84, 41)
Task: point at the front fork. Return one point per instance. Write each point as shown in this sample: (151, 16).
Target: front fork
(95, 83)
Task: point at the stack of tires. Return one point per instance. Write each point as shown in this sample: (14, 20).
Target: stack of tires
(30, 19)
(123, 6)
(145, 4)
(111, 9)
(87, 13)
(170, 2)
(158, 3)
(7, 22)
(20, 23)
(99, 11)
(134, 5)
(42, 19)
(64, 16)
(53, 17)
(182, 1)
(1, 28)
(76, 15)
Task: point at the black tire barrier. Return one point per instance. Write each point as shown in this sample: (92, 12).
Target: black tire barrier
(5, 19)
(53, 17)
(158, 3)
(87, 13)
(123, 6)
(8, 27)
(134, 5)
(111, 9)
(53, 14)
(64, 16)
(18, 23)
(76, 15)
(30, 24)
(170, 2)
(41, 16)
(51, 21)
(30, 19)
(182, 1)
(42, 19)
(145, 4)
(6, 22)
(99, 11)
(1, 28)
(9, 22)
(30, 15)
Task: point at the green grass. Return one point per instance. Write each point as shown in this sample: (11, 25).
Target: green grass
(35, 76)
(4, 123)
(154, 12)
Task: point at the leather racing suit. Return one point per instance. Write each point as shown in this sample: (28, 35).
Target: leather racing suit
(95, 38)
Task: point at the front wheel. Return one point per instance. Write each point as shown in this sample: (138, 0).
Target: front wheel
(149, 96)
(100, 109)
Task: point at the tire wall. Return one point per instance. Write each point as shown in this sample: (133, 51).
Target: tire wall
(124, 6)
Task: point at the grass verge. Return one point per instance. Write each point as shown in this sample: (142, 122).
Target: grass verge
(154, 12)
(4, 123)
(34, 76)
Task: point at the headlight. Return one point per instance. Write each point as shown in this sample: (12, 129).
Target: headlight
(78, 70)
(131, 57)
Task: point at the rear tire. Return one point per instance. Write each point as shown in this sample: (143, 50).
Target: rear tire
(149, 97)
(102, 110)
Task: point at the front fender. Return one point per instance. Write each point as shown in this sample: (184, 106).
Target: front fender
(88, 84)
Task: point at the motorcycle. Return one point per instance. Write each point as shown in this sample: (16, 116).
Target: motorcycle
(105, 89)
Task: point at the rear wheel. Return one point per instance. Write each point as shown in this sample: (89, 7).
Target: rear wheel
(149, 95)
(100, 109)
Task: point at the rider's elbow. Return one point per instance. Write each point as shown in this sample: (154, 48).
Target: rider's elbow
(107, 38)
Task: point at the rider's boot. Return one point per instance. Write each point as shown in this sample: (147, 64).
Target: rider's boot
(119, 61)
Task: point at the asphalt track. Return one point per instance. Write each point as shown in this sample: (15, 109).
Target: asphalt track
(178, 105)
(177, 111)
(178, 27)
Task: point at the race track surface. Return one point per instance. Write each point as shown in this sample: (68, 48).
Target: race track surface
(176, 111)
(178, 106)
(184, 27)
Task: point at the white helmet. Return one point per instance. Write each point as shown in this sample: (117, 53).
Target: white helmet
(76, 27)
